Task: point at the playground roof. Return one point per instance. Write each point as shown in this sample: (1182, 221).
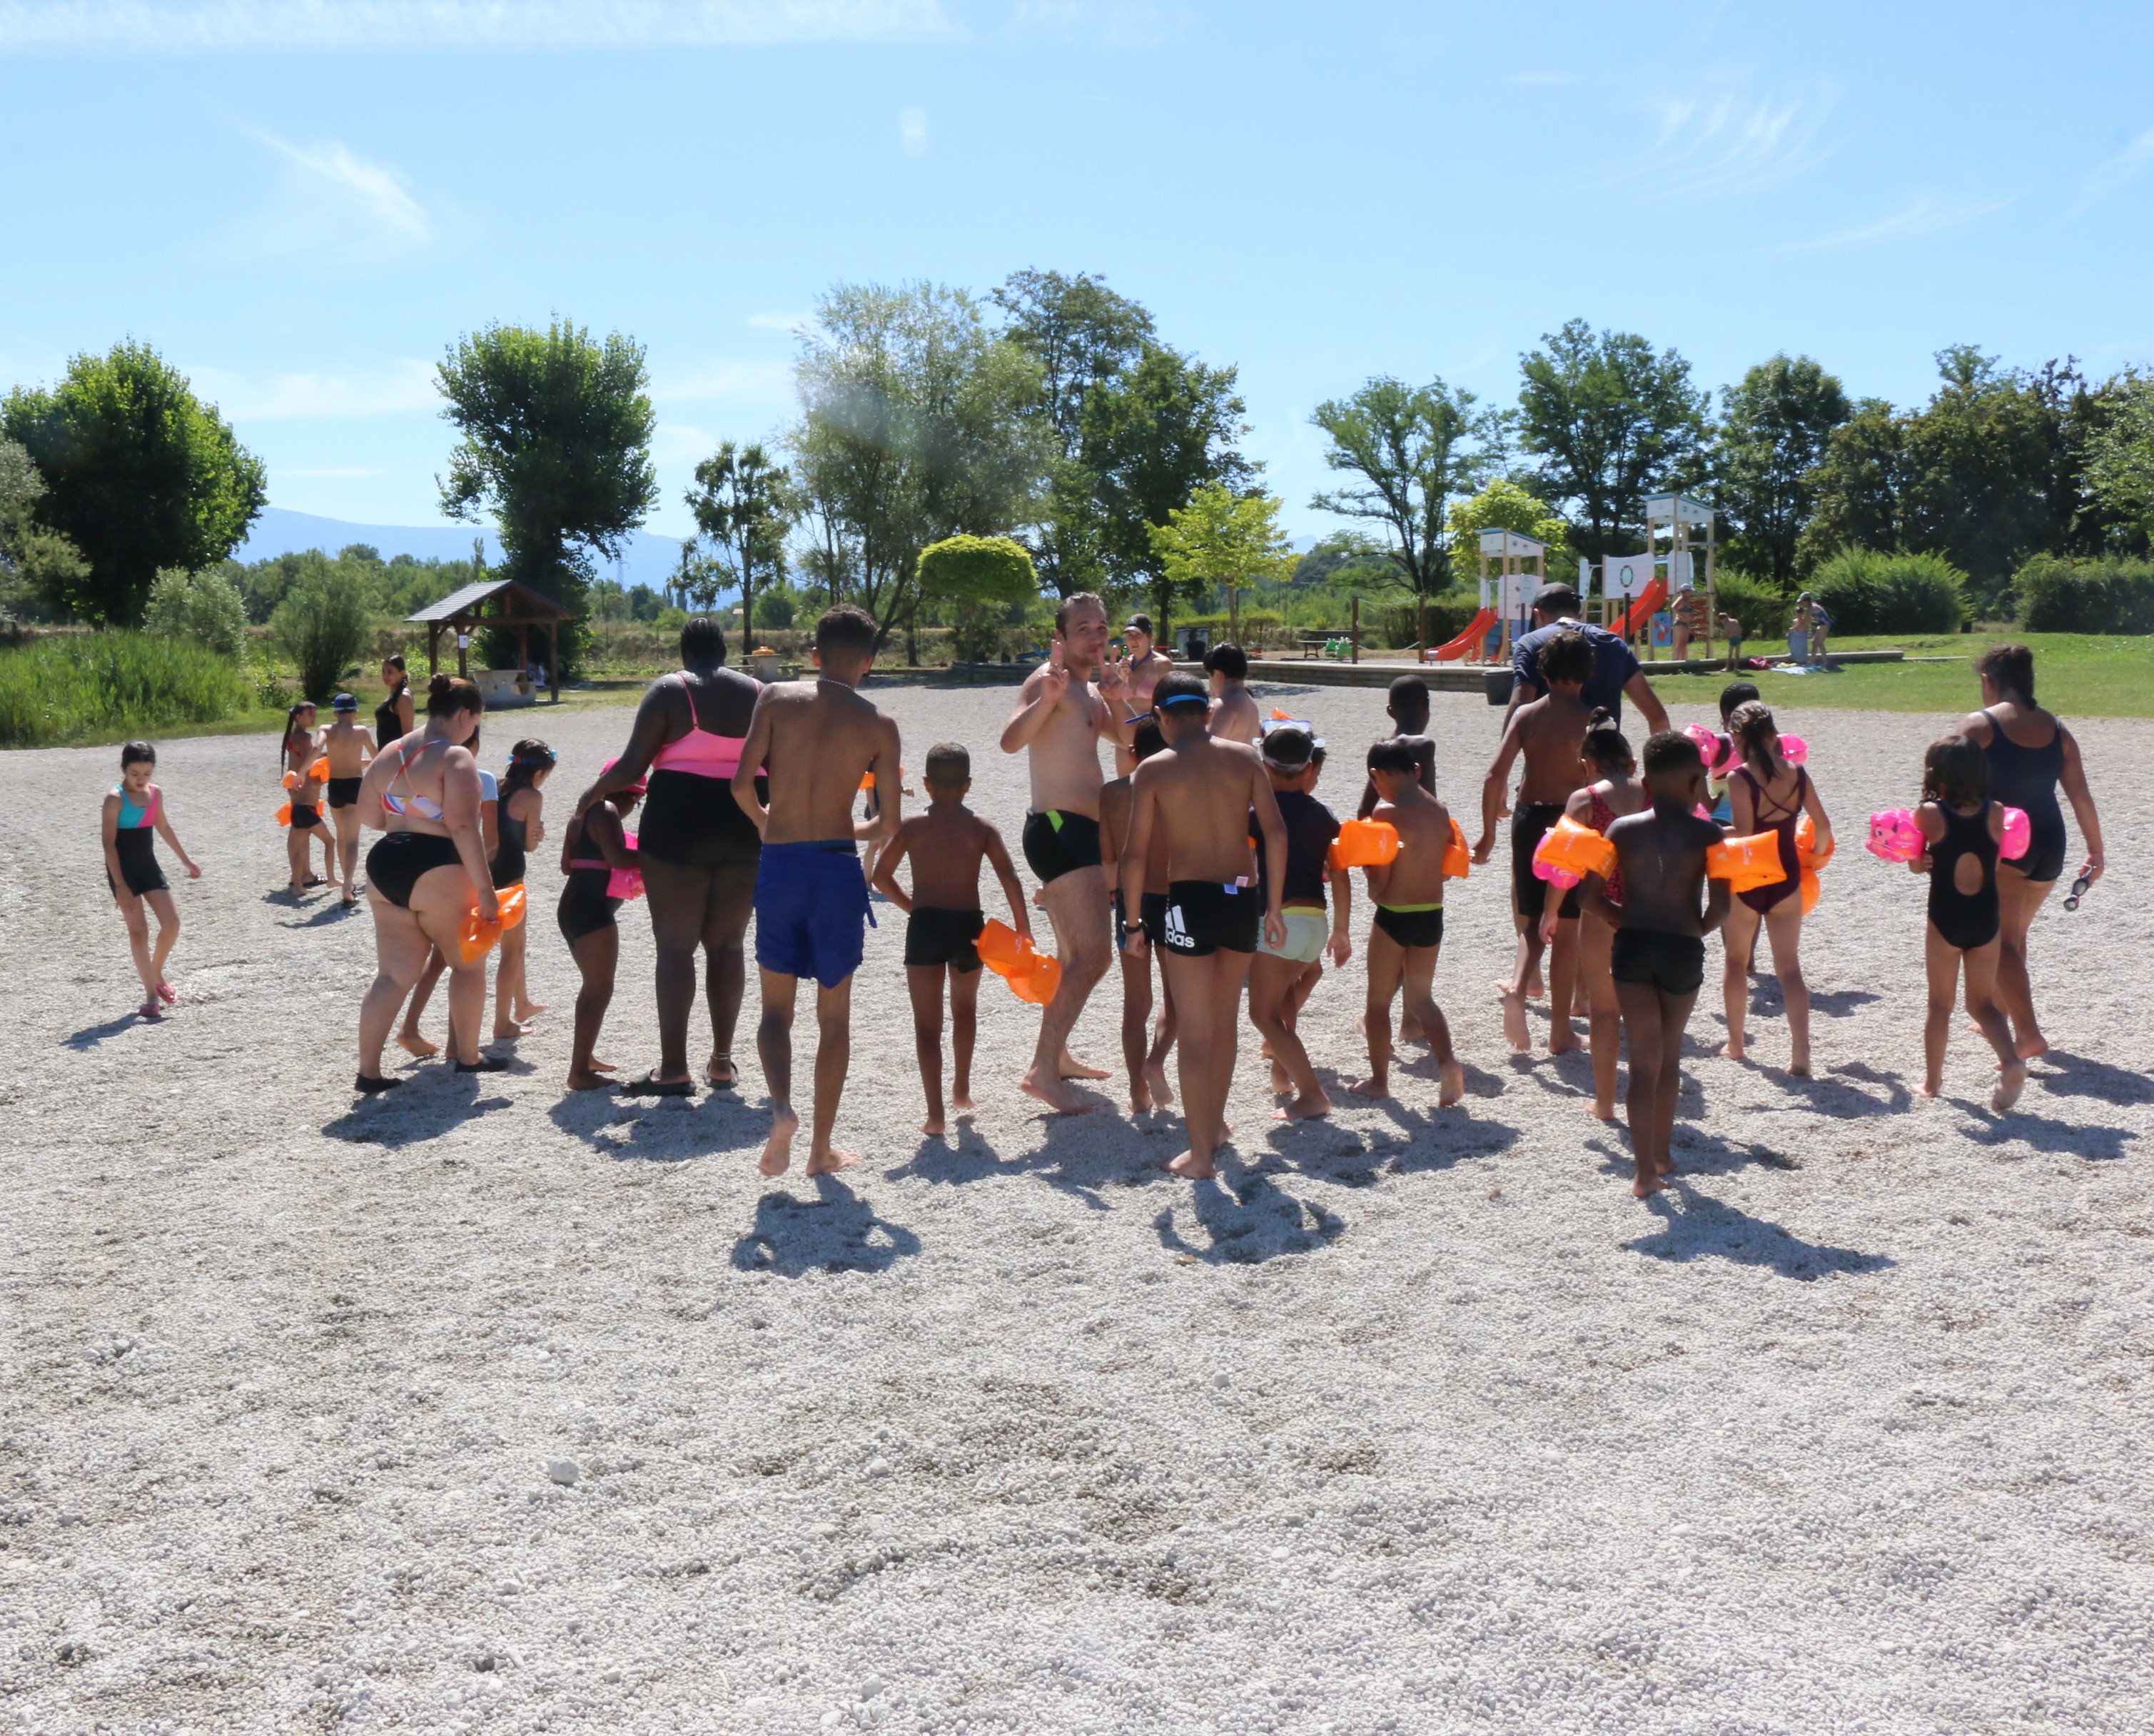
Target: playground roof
(1677, 509)
(518, 604)
(1511, 542)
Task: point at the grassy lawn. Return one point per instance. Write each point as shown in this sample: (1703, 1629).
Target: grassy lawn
(2079, 675)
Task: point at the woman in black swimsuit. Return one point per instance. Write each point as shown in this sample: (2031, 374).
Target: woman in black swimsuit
(697, 850)
(594, 849)
(1767, 795)
(2029, 753)
(519, 830)
(427, 872)
(1965, 830)
(393, 718)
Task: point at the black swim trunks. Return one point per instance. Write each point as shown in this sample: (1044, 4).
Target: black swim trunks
(393, 865)
(1057, 842)
(944, 936)
(1412, 927)
(1203, 916)
(1532, 821)
(305, 817)
(1151, 915)
(585, 907)
(1673, 963)
(344, 792)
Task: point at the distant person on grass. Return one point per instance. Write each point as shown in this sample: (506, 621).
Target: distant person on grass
(818, 738)
(134, 819)
(1061, 714)
(1202, 792)
(1408, 935)
(1658, 956)
(947, 846)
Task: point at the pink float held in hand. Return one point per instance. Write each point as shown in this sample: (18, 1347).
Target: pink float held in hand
(2019, 834)
(1894, 836)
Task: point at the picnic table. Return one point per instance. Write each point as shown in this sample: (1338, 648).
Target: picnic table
(1316, 645)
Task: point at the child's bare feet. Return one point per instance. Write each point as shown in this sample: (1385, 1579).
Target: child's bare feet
(1799, 1064)
(1930, 1088)
(2011, 1081)
(962, 1101)
(1140, 1101)
(1155, 1085)
(1646, 1185)
(411, 1043)
(1409, 1030)
(588, 1081)
(1371, 1087)
(1562, 1039)
(1054, 1093)
(1535, 988)
(510, 1032)
(778, 1154)
(1281, 1084)
(1305, 1108)
(1603, 1111)
(1189, 1164)
(526, 1011)
(1514, 1019)
(1072, 1067)
(932, 1127)
(2027, 1047)
(600, 1066)
(1734, 1050)
(831, 1161)
(1452, 1087)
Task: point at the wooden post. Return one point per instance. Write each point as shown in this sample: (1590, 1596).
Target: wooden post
(1233, 614)
(522, 649)
(1353, 637)
(433, 648)
(463, 651)
(554, 659)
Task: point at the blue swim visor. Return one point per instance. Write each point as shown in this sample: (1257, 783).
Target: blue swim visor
(1182, 699)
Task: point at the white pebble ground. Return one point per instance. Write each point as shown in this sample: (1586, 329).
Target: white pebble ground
(485, 1406)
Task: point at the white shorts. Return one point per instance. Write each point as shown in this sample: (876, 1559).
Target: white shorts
(1306, 932)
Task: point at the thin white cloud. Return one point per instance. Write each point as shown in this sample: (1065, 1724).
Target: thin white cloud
(912, 131)
(379, 194)
(2113, 173)
(1925, 214)
(241, 27)
(1723, 145)
(405, 386)
(726, 382)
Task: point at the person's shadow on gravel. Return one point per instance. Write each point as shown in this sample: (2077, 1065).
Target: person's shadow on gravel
(1827, 1094)
(659, 1129)
(955, 1159)
(431, 1103)
(90, 1035)
(1695, 1226)
(2071, 1075)
(836, 1231)
(2020, 1125)
(1253, 1221)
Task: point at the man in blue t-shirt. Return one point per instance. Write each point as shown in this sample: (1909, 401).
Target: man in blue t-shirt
(1615, 670)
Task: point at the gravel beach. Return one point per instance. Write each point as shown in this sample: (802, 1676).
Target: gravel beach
(490, 1406)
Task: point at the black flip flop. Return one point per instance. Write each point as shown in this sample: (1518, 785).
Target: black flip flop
(485, 1064)
(651, 1086)
(369, 1086)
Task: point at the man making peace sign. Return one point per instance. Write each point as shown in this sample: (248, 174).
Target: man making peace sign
(1067, 705)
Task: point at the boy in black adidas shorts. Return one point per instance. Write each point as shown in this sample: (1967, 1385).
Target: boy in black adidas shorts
(1658, 959)
(946, 844)
(1200, 793)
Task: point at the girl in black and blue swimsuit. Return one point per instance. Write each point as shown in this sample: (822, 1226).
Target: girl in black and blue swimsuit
(135, 819)
(518, 830)
(1964, 830)
(2029, 754)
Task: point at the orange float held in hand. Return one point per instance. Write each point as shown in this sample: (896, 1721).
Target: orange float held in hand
(1747, 864)
(1457, 859)
(1032, 975)
(1366, 844)
(1568, 852)
(1812, 858)
(477, 936)
(284, 814)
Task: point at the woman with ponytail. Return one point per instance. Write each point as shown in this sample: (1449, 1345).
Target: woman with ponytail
(1766, 794)
(2029, 753)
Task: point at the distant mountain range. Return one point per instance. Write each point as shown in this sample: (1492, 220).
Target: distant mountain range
(647, 560)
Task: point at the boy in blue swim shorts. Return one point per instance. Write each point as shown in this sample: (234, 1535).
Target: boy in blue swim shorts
(817, 738)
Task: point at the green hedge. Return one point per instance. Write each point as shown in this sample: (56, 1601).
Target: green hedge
(1399, 624)
(1868, 592)
(1761, 609)
(56, 689)
(2107, 594)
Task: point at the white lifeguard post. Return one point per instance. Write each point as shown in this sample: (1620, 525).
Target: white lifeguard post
(1508, 592)
(1685, 524)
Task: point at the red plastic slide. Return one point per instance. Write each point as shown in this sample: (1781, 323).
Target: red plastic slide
(1635, 619)
(1476, 631)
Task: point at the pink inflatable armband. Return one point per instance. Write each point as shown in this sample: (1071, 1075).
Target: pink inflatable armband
(625, 883)
(1568, 852)
(1894, 836)
(2019, 834)
(1794, 749)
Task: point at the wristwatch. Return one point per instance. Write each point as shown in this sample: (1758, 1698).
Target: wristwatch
(1133, 928)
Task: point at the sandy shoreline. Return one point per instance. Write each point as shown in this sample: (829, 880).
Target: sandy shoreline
(1416, 1422)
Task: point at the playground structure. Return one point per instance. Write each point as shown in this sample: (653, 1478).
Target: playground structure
(1635, 588)
(1506, 598)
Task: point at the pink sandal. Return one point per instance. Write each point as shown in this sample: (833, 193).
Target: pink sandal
(168, 994)
(150, 1009)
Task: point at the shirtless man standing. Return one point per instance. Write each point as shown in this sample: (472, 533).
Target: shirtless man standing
(1200, 793)
(1143, 666)
(1061, 715)
(817, 738)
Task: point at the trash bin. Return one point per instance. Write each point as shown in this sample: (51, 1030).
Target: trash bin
(1196, 644)
(1497, 684)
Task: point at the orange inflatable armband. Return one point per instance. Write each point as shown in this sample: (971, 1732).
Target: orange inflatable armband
(998, 947)
(1365, 844)
(284, 814)
(1457, 859)
(1806, 845)
(291, 780)
(475, 939)
(1036, 978)
(1747, 864)
(1568, 852)
(320, 770)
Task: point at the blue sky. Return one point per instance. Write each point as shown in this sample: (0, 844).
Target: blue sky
(303, 204)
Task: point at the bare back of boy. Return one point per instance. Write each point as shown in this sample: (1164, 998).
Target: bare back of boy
(1235, 717)
(818, 738)
(946, 848)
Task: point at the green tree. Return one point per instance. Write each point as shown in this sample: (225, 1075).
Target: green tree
(743, 502)
(917, 422)
(36, 565)
(1414, 448)
(204, 607)
(1775, 429)
(2120, 456)
(1220, 538)
(556, 447)
(139, 474)
(1152, 437)
(322, 627)
(1612, 419)
(1354, 552)
(1505, 505)
(977, 582)
(1083, 335)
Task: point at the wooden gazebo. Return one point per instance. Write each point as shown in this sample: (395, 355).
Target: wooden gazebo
(514, 605)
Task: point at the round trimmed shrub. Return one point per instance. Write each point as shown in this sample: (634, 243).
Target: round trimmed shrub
(1868, 592)
(204, 606)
